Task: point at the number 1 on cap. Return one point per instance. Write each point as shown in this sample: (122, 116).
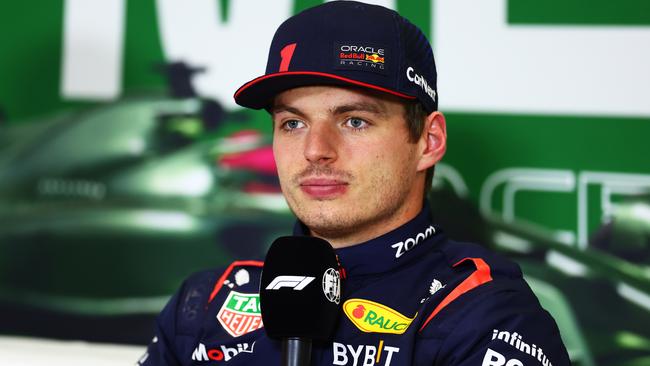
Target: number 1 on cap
(286, 54)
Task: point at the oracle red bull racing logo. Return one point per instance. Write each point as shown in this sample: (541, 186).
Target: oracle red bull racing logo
(360, 57)
(240, 313)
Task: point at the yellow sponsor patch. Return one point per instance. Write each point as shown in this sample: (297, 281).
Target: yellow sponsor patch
(372, 317)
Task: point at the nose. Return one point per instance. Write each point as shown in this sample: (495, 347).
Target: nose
(320, 145)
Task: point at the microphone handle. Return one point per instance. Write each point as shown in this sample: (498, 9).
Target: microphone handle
(296, 351)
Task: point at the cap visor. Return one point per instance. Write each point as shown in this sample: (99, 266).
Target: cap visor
(258, 93)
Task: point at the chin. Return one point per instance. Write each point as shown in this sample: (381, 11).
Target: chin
(325, 215)
(342, 221)
(328, 214)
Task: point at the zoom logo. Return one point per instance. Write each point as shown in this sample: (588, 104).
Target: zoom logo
(408, 244)
(295, 282)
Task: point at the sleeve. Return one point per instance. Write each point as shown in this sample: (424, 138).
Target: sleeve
(179, 324)
(503, 328)
(160, 350)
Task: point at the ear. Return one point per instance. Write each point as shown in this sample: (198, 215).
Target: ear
(433, 142)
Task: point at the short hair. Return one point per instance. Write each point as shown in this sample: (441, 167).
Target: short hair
(415, 116)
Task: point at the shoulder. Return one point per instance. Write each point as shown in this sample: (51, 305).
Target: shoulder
(184, 317)
(490, 313)
(501, 267)
(498, 325)
(473, 274)
(199, 293)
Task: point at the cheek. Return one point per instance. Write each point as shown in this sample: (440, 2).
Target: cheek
(374, 165)
(398, 161)
(285, 159)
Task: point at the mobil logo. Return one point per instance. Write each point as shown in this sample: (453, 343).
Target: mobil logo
(220, 353)
(240, 313)
(373, 317)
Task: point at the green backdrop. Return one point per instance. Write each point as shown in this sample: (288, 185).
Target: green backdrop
(561, 162)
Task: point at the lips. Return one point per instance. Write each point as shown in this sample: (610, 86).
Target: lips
(322, 188)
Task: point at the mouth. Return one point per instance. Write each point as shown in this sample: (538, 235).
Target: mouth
(323, 188)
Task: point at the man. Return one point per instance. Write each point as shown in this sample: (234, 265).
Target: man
(351, 89)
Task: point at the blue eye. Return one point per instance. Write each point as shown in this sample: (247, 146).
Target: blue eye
(292, 125)
(356, 123)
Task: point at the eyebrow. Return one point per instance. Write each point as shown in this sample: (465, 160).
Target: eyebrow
(345, 108)
(361, 107)
(279, 108)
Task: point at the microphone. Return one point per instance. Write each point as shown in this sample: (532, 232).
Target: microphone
(300, 293)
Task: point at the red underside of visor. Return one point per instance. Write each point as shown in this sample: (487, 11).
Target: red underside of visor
(315, 73)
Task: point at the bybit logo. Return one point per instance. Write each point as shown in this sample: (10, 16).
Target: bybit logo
(363, 354)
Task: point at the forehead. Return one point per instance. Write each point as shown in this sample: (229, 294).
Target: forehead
(335, 98)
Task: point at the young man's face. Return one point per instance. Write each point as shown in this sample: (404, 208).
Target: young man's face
(345, 162)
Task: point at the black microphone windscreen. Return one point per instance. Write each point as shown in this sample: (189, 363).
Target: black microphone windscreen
(300, 288)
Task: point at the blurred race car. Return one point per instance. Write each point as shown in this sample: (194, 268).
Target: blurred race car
(104, 211)
(600, 295)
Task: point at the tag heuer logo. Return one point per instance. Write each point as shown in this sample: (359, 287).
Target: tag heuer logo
(240, 313)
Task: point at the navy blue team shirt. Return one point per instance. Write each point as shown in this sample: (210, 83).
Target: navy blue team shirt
(409, 297)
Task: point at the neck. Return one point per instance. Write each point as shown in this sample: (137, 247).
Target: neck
(382, 225)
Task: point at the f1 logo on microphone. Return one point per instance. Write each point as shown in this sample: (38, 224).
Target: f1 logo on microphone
(295, 282)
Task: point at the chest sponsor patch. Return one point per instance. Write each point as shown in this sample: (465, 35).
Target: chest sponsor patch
(363, 354)
(240, 313)
(220, 353)
(373, 317)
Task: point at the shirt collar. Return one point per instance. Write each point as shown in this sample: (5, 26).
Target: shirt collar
(390, 250)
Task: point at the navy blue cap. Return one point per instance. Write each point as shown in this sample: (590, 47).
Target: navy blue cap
(347, 43)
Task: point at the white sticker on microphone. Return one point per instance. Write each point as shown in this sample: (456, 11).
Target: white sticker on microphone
(332, 285)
